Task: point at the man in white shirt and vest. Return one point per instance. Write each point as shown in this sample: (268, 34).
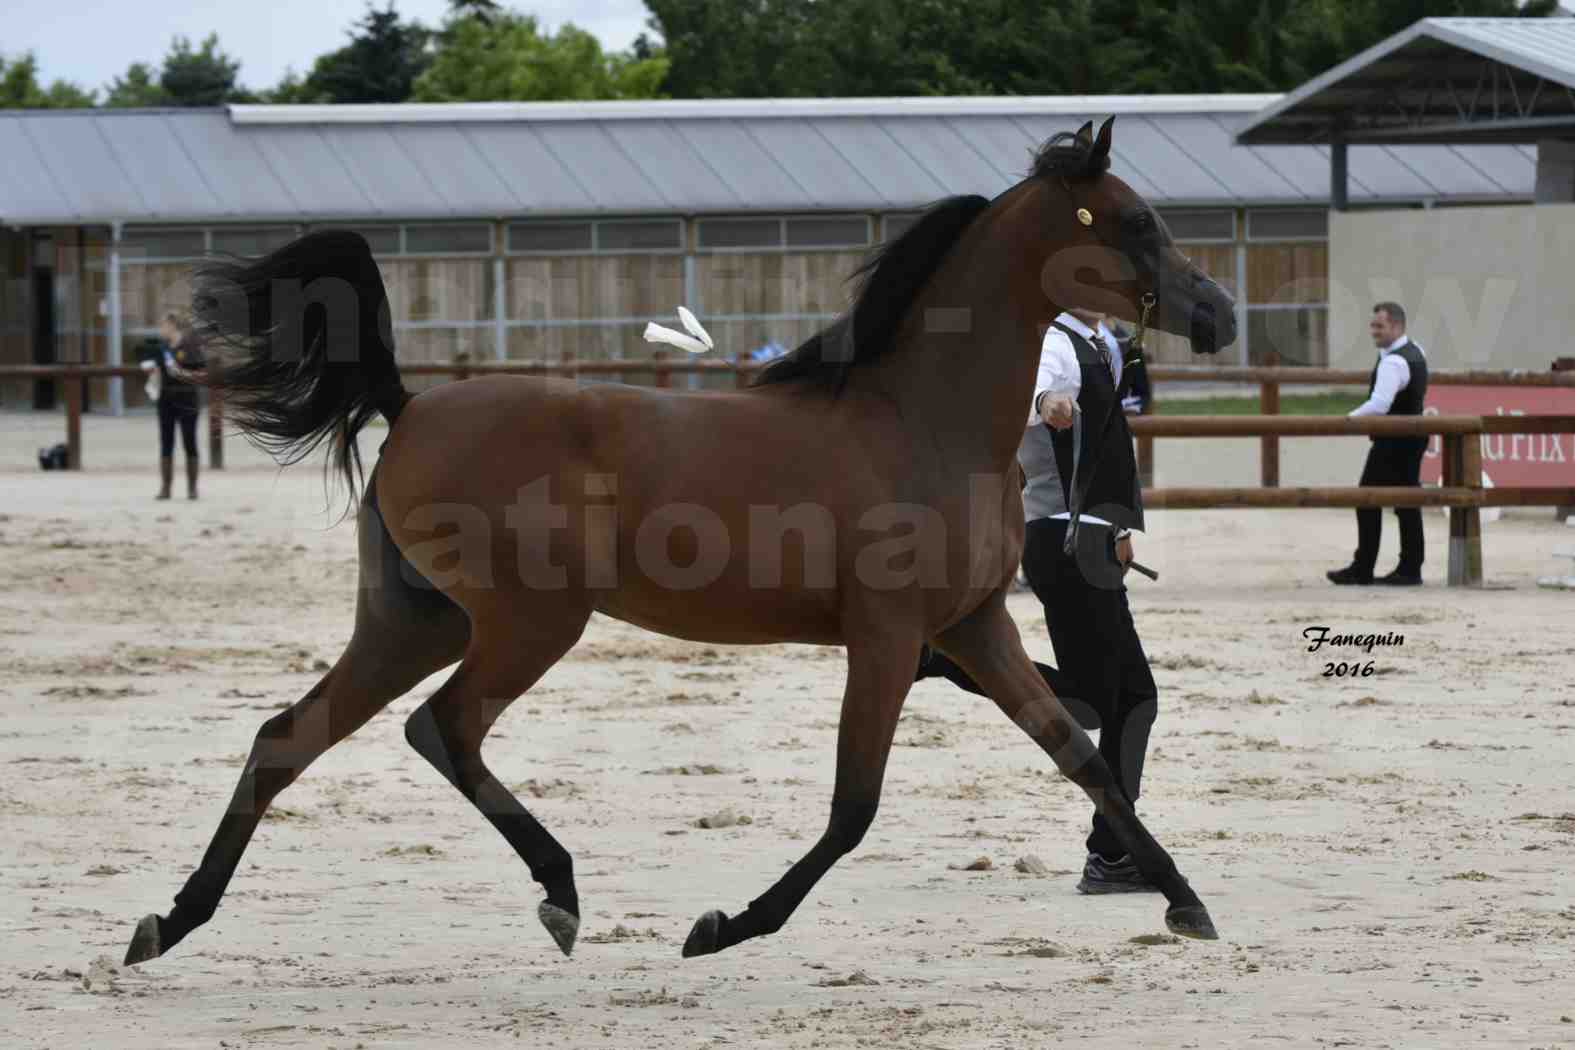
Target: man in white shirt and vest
(1397, 388)
(1103, 679)
(1075, 439)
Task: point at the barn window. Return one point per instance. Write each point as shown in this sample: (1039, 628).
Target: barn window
(383, 240)
(740, 233)
(640, 236)
(164, 244)
(545, 237)
(1287, 224)
(259, 241)
(1200, 225)
(448, 239)
(828, 232)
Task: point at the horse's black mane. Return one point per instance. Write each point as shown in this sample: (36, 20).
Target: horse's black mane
(894, 275)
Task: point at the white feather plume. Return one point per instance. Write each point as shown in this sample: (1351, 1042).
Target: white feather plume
(698, 341)
(693, 326)
(655, 333)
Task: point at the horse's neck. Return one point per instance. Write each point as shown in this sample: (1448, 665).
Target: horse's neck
(963, 371)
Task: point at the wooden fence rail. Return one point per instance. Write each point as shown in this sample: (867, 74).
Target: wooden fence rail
(1271, 377)
(662, 368)
(1461, 492)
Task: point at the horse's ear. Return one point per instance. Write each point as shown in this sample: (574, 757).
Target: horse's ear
(1085, 134)
(1102, 142)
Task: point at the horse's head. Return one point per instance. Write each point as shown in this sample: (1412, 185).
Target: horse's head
(1114, 253)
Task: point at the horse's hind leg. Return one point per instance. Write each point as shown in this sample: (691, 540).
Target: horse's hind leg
(403, 633)
(363, 682)
(507, 655)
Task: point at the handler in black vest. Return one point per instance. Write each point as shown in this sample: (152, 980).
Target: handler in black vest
(1103, 679)
(1078, 393)
(1397, 388)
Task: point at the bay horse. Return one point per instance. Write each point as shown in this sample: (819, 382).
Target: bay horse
(503, 511)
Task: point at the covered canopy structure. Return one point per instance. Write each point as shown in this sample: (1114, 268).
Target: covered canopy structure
(1443, 81)
(1485, 287)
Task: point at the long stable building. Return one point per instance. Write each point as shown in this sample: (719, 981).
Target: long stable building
(554, 231)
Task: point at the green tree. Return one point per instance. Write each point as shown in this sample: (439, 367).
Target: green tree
(508, 58)
(139, 87)
(380, 64)
(291, 90)
(760, 48)
(20, 89)
(1331, 31)
(202, 77)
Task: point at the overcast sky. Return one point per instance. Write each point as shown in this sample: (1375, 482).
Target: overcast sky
(93, 41)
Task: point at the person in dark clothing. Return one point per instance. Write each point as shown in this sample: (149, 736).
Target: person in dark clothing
(1103, 680)
(176, 361)
(1398, 387)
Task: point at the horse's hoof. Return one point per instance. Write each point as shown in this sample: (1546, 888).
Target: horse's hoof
(563, 925)
(706, 937)
(145, 943)
(1191, 920)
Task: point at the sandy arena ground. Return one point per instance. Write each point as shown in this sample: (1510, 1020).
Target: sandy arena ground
(1388, 858)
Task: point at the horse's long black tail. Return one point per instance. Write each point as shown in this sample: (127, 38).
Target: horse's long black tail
(301, 346)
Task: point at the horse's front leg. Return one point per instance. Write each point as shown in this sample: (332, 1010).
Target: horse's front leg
(988, 647)
(880, 671)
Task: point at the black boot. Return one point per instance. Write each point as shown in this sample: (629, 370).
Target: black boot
(166, 476)
(191, 477)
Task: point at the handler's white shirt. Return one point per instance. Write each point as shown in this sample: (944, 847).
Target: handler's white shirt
(1061, 376)
(1394, 375)
(1059, 372)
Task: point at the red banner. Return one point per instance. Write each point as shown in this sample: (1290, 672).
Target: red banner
(1508, 459)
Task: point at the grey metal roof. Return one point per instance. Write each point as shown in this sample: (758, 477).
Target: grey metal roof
(1440, 80)
(503, 160)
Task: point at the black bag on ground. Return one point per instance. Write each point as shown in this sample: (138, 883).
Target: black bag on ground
(53, 458)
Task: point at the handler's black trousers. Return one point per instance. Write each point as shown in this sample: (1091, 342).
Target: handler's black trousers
(182, 411)
(1391, 461)
(1097, 648)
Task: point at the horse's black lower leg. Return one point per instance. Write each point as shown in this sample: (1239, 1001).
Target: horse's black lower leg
(988, 647)
(448, 731)
(879, 674)
(550, 864)
(770, 911)
(359, 686)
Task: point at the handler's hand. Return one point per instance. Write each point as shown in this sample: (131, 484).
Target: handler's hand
(1124, 554)
(1056, 411)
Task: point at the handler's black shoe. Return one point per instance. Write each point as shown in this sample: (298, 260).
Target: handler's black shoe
(1401, 579)
(1350, 574)
(1113, 876)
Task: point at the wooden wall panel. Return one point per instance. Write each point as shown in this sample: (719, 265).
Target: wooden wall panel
(16, 312)
(774, 282)
(1299, 336)
(438, 289)
(578, 343)
(586, 287)
(1288, 273)
(150, 290)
